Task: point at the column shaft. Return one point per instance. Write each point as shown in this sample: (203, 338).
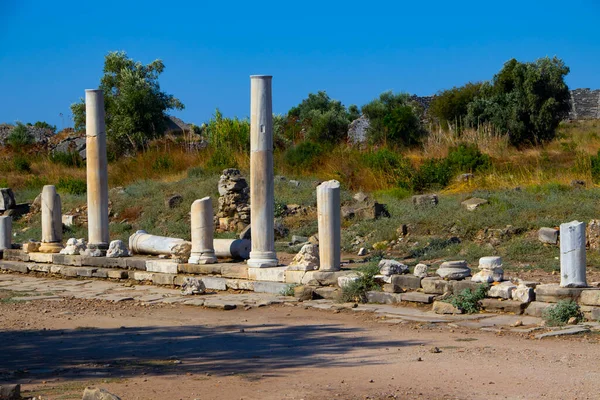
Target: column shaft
(203, 251)
(328, 213)
(572, 254)
(5, 232)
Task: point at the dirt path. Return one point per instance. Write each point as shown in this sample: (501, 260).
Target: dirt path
(55, 347)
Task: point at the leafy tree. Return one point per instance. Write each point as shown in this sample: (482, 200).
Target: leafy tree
(394, 119)
(44, 125)
(320, 118)
(525, 100)
(19, 137)
(449, 107)
(134, 104)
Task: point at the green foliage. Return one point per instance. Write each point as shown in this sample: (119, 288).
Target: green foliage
(19, 137)
(303, 155)
(289, 290)
(595, 167)
(468, 158)
(69, 159)
(390, 164)
(394, 120)
(449, 107)
(560, 313)
(164, 162)
(321, 118)
(44, 125)
(467, 300)
(21, 164)
(196, 172)
(527, 101)
(357, 290)
(134, 104)
(433, 174)
(279, 209)
(228, 134)
(72, 185)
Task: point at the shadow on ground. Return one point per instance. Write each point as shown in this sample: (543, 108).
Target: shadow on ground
(266, 350)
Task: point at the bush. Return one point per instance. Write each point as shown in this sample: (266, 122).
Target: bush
(468, 158)
(19, 137)
(357, 290)
(303, 155)
(562, 312)
(279, 209)
(595, 163)
(72, 185)
(163, 162)
(68, 159)
(397, 169)
(21, 164)
(467, 300)
(449, 107)
(228, 134)
(433, 174)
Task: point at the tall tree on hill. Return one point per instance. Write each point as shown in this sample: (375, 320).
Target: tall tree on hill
(134, 104)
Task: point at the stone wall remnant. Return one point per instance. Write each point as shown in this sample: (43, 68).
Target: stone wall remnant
(233, 213)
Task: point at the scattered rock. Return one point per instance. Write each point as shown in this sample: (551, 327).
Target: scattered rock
(548, 235)
(307, 257)
(192, 286)
(441, 307)
(572, 321)
(523, 294)
(592, 233)
(392, 267)
(425, 200)
(31, 246)
(502, 290)
(74, 247)
(174, 201)
(578, 184)
(454, 270)
(233, 212)
(10, 392)
(421, 270)
(473, 203)
(357, 131)
(362, 252)
(298, 239)
(303, 293)
(435, 350)
(98, 394)
(7, 199)
(294, 183)
(117, 249)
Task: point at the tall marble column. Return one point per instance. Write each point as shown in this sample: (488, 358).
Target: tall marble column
(97, 173)
(329, 218)
(51, 221)
(572, 254)
(5, 232)
(262, 191)
(203, 251)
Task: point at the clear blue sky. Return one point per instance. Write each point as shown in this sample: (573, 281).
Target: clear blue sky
(51, 51)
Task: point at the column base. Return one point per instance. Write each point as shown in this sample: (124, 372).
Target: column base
(202, 258)
(54, 247)
(263, 259)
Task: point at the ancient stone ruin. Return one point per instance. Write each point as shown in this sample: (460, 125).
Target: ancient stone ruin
(233, 213)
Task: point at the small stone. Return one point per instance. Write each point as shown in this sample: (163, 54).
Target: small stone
(192, 286)
(473, 203)
(307, 257)
(425, 200)
(548, 235)
(392, 267)
(74, 247)
(435, 350)
(523, 294)
(502, 290)
(421, 270)
(441, 307)
(174, 201)
(362, 252)
(572, 321)
(98, 394)
(517, 323)
(117, 249)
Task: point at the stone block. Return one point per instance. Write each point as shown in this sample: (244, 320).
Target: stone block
(308, 279)
(383, 298)
(15, 255)
(523, 294)
(10, 391)
(303, 293)
(91, 393)
(473, 203)
(101, 273)
(329, 278)
(591, 313)
(41, 257)
(65, 259)
(240, 284)
(270, 287)
(425, 200)
(162, 266)
(508, 306)
(86, 272)
(215, 283)
(417, 297)
(406, 282)
(437, 286)
(117, 274)
(552, 293)
(200, 269)
(69, 271)
(459, 286)
(269, 274)
(141, 275)
(548, 235)
(536, 308)
(56, 269)
(106, 262)
(327, 292)
(347, 279)
(163, 279)
(14, 266)
(503, 290)
(234, 271)
(135, 263)
(39, 267)
(590, 297)
(441, 307)
(31, 247)
(294, 276)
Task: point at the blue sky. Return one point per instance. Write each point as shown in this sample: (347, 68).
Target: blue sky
(51, 51)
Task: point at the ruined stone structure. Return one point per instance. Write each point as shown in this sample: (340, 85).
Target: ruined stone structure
(585, 104)
(234, 202)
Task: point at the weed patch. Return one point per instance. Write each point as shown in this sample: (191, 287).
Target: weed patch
(560, 313)
(468, 300)
(357, 290)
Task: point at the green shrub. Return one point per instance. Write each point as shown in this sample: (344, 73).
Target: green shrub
(357, 290)
(303, 155)
(228, 135)
(21, 164)
(35, 182)
(449, 107)
(289, 290)
(164, 162)
(220, 160)
(72, 185)
(468, 158)
(560, 313)
(467, 300)
(68, 159)
(19, 137)
(279, 209)
(390, 164)
(595, 162)
(433, 174)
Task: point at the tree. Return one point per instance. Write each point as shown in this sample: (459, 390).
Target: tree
(19, 137)
(527, 101)
(134, 104)
(449, 107)
(394, 119)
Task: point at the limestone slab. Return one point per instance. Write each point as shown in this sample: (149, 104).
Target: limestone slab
(162, 266)
(563, 332)
(509, 306)
(383, 298)
(536, 308)
(416, 297)
(117, 274)
(270, 287)
(39, 267)
(327, 292)
(270, 274)
(240, 284)
(14, 255)
(65, 259)
(436, 286)
(459, 286)
(234, 271)
(406, 282)
(163, 279)
(87, 272)
(294, 276)
(141, 275)
(14, 266)
(590, 297)
(41, 257)
(135, 263)
(552, 293)
(200, 269)
(215, 283)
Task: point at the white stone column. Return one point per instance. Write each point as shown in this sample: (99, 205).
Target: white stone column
(238, 249)
(141, 242)
(51, 221)
(328, 213)
(262, 191)
(5, 232)
(203, 251)
(97, 173)
(572, 254)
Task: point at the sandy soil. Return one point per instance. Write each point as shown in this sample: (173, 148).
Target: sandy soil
(56, 348)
